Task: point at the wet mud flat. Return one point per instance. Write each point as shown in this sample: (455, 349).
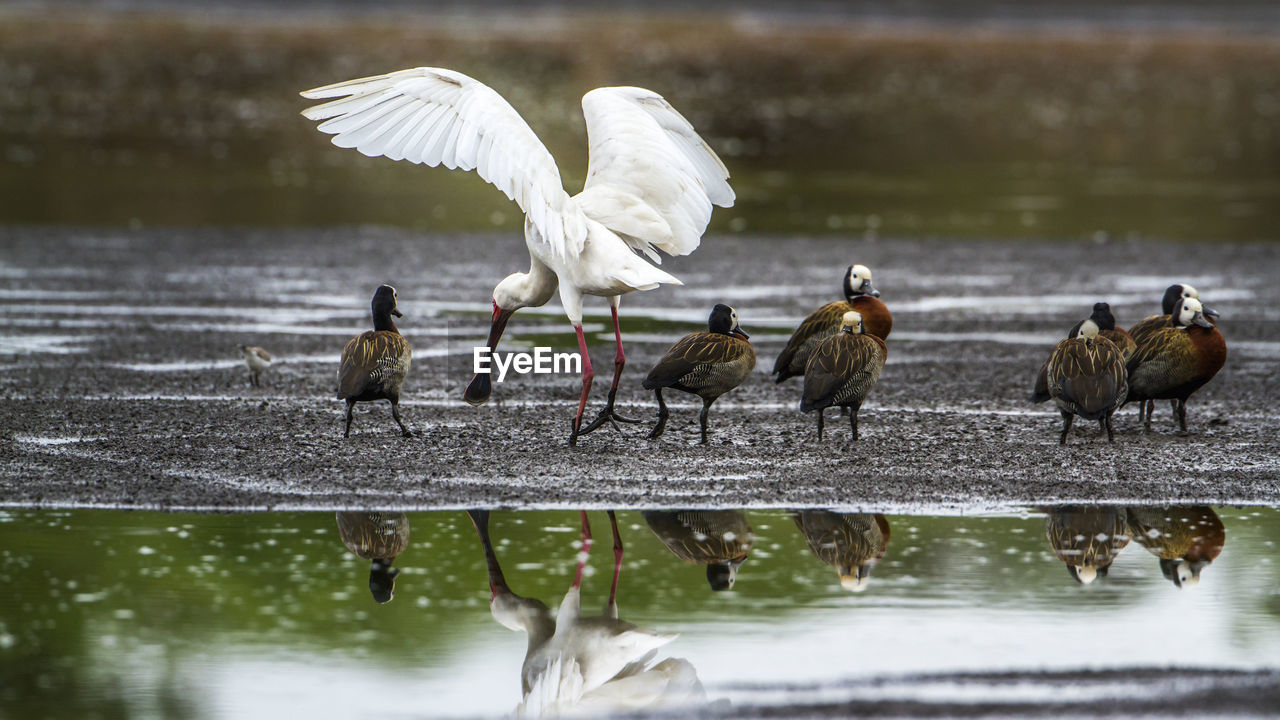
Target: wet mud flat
(121, 384)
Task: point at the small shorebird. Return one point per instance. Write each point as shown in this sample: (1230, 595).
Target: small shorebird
(257, 360)
(1173, 361)
(1106, 323)
(707, 364)
(824, 322)
(1148, 327)
(651, 183)
(1086, 377)
(842, 370)
(374, 363)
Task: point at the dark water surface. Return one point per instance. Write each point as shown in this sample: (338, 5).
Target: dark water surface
(113, 614)
(1075, 127)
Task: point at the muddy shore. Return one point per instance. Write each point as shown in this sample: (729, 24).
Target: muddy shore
(120, 383)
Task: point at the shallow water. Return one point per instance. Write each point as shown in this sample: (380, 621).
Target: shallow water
(140, 614)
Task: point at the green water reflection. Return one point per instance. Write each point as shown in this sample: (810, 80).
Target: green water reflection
(96, 600)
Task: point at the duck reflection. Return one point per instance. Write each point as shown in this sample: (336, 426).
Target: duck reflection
(378, 537)
(719, 539)
(1087, 539)
(586, 665)
(852, 543)
(1185, 538)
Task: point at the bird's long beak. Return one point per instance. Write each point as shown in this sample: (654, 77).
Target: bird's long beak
(396, 312)
(867, 289)
(738, 329)
(1199, 319)
(1210, 313)
(478, 390)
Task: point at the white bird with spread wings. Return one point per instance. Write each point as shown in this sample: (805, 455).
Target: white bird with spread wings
(651, 183)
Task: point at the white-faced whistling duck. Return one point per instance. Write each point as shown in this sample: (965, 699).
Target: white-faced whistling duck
(375, 363)
(1172, 362)
(707, 364)
(1186, 539)
(720, 539)
(1145, 329)
(842, 370)
(379, 538)
(1086, 377)
(852, 543)
(1087, 539)
(1106, 323)
(651, 184)
(824, 322)
(257, 360)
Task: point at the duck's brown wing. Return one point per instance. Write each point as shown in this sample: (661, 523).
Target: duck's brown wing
(1122, 340)
(1147, 327)
(1087, 376)
(1164, 361)
(693, 359)
(842, 369)
(821, 324)
(374, 359)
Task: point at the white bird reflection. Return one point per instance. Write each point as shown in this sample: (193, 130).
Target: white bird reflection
(584, 666)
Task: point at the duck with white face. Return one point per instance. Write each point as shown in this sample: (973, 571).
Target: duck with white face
(707, 364)
(1146, 330)
(860, 296)
(842, 370)
(1173, 362)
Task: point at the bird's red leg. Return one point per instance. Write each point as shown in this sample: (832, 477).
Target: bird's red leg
(586, 549)
(619, 362)
(587, 376)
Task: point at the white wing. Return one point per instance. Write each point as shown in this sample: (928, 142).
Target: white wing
(651, 178)
(437, 117)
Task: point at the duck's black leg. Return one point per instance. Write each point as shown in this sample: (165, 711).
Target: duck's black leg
(395, 413)
(662, 416)
(820, 412)
(1066, 426)
(702, 418)
(1106, 423)
(1182, 414)
(619, 362)
(1173, 408)
(1151, 408)
(350, 404)
(853, 423)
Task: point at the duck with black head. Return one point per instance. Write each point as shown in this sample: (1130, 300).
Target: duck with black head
(707, 364)
(1174, 361)
(1086, 377)
(375, 363)
(1106, 323)
(860, 296)
(842, 370)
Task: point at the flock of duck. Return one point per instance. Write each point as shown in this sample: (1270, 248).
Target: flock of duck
(651, 185)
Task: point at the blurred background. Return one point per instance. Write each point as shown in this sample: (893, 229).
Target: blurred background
(1090, 120)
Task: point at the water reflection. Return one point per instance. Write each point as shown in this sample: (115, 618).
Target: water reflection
(1186, 539)
(719, 539)
(1087, 539)
(593, 665)
(852, 543)
(379, 537)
